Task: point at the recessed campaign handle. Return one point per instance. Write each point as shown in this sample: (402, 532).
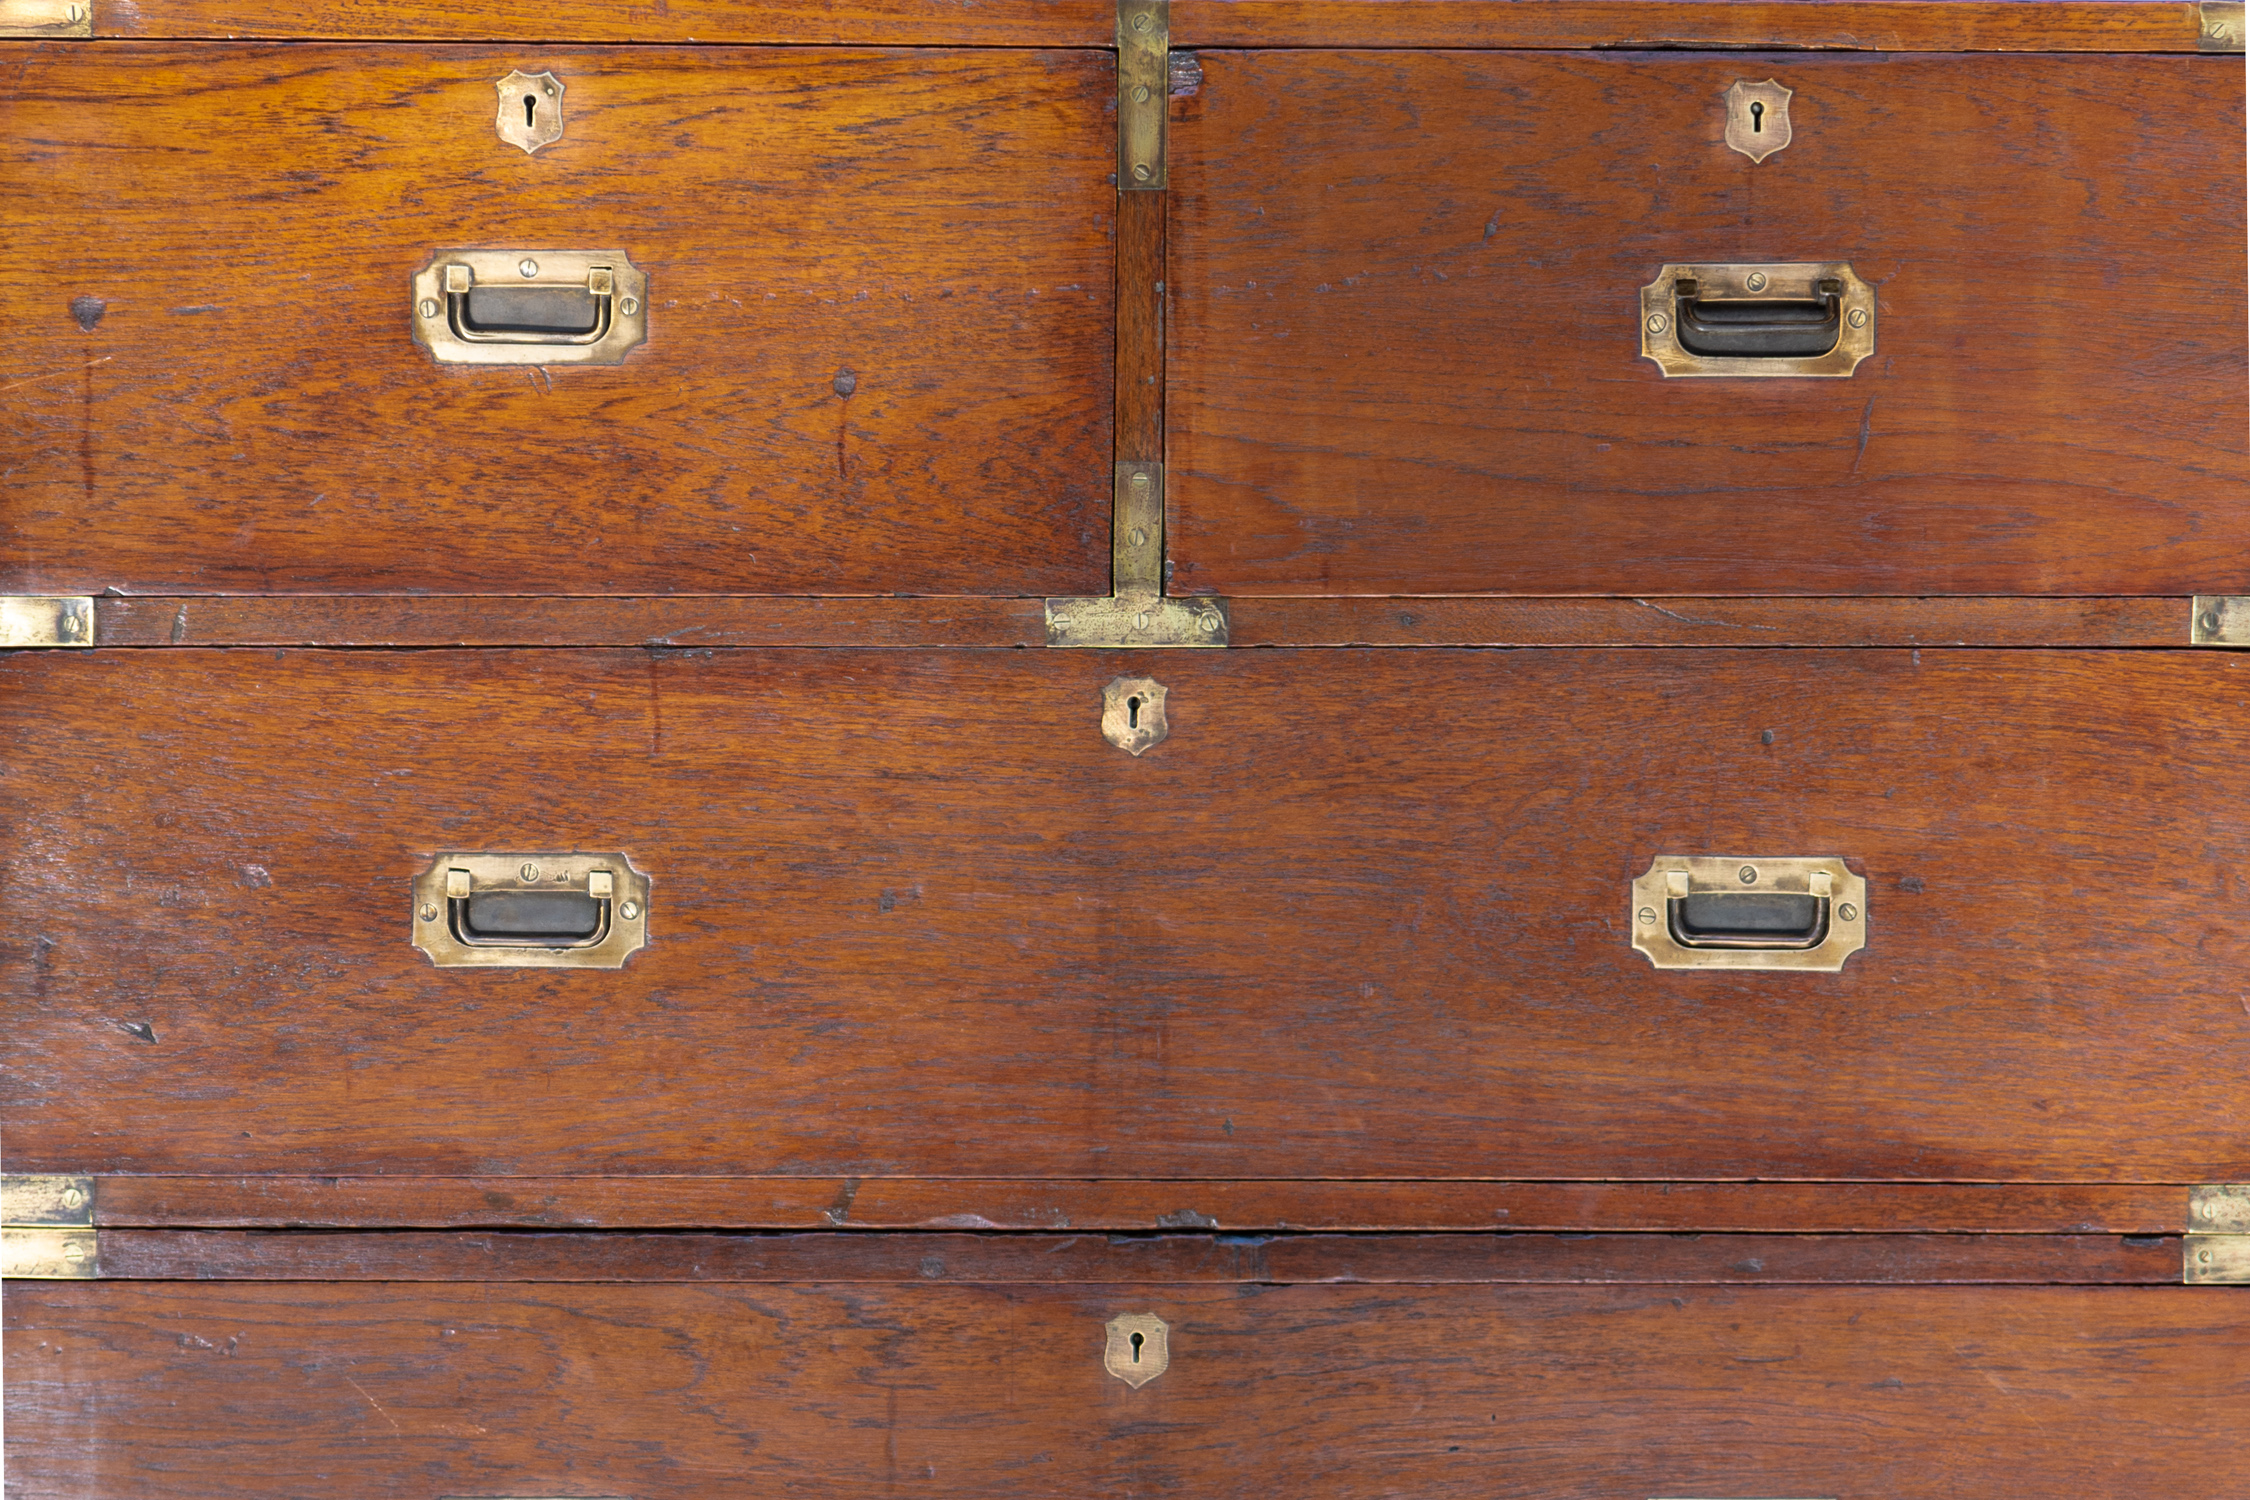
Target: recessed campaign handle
(1707, 912)
(504, 314)
(530, 910)
(1748, 919)
(1758, 328)
(530, 307)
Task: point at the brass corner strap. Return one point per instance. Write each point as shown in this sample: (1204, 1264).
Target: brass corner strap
(47, 1229)
(2216, 1248)
(1137, 612)
(2219, 27)
(1144, 88)
(55, 18)
(2219, 620)
(34, 620)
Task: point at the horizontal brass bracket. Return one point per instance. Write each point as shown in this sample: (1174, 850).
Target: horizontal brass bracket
(59, 18)
(46, 1229)
(2216, 1250)
(43, 620)
(2220, 27)
(2219, 620)
(1138, 612)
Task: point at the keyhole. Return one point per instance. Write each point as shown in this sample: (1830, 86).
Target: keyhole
(1757, 118)
(1136, 1348)
(1133, 721)
(531, 106)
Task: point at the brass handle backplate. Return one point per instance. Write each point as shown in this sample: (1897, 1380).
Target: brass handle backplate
(538, 910)
(1693, 912)
(1789, 319)
(530, 307)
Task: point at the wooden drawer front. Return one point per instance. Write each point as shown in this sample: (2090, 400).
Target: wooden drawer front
(1363, 914)
(1405, 354)
(181, 1391)
(878, 355)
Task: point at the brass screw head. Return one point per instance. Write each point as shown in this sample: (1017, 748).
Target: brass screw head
(1748, 874)
(74, 1252)
(631, 305)
(629, 910)
(1756, 281)
(527, 266)
(429, 912)
(529, 871)
(1210, 624)
(1140, 93)
(1648, 916)
(1848, 912)
(75, 13)
(1140, 22)
(1857, 317)
(72, 1197)
(1657, 322)
(429, 307)
(1141, 172)
(2211, 619)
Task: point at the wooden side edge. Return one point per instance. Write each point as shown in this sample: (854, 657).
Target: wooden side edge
(253, 1255)
(878, 23)
(1140, 327)
(1456, 621)
(800, 1203)
(1860, 25)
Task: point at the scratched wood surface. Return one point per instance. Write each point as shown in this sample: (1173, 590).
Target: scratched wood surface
(1878, 25)
(879, 354)
(1362, 915)
(193, 1392)
(1048, 1259)
(906, 1203)
(1404, 350)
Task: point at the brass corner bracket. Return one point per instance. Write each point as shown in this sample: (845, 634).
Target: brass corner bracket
(1144, 90)
(2216, 1248)
(60, 18)
(2219, 620)
(35, 620)
(1138, 612)
(47, 1229)
(2219, 26)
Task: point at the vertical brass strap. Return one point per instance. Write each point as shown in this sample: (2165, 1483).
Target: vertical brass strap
(1144, 30)
(1137, 530)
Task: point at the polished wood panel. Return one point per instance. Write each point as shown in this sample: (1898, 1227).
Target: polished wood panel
(1140, 326)
(895, 1203)
(194, 1392)
(1404, 356)
(1877, 25)
(889, 23)
(1362, 914)
(879, 358)
(989, 1259)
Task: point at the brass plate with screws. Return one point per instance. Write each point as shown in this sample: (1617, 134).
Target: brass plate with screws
(46, 1229)
(54, 1202)
(1138, 612)
(2216, 1248)
(1144, 86)
(601, 293)
(54, 18)
(1666, 900)
(530, 110)
(539, 910)
(1133, 714)
(35, 620)
(2219, 620)
(1138, 1348)
(1751, 286)
(2219, 27)
(1758, 117)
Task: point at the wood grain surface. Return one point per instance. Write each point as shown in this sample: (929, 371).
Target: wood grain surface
(1404, 350)
(257, 1392)
(708, 620)
(1361, 915)
(1878, 25)
(1049, 1259)
(879, 354)
(894, 1203)
(1140, 326)
(887, 23)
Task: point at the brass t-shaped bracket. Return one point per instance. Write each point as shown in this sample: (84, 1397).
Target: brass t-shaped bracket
(1137, 612)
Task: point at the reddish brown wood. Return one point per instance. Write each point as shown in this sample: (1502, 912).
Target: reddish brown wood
(987, 1259)
(184, 1392)
(1140, 326)
(891, 1203)
(880, 310)
(1879, 25)
(458, 620)
(1708, 622)
(1404, 356)
(890, 23)
(1361, 915)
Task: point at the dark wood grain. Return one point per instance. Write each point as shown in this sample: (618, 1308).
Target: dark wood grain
(1878, 25)
(1404, 355)
(257, 1392)
(893, 1203)
(1361, 915)
(888, 23)
(1140, 327)
(879, 357)
(995, 1259)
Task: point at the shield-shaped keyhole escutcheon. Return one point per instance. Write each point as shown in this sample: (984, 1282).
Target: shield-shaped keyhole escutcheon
(1137, 1351)
(530, 109)
(1133, 714)
(1757, 118)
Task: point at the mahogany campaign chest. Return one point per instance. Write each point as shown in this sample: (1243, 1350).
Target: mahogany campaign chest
(1123, 748)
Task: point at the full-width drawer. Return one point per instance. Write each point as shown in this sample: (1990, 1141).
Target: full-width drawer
(1361, 914)
(179, 1391)
(534, 319)
(1410, 348)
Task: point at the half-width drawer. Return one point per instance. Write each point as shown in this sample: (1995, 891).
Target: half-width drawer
(539, 319)
(184, 1391)
(1358, 913)
(1431, 318)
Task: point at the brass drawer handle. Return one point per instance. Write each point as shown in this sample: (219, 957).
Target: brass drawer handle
(1797, 318)
(1715, 913)
(541, 910)
(545, 307)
